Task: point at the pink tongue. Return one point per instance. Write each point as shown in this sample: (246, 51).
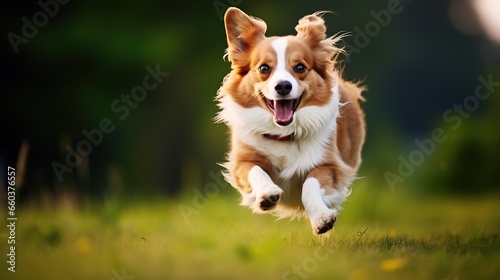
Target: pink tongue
(283, 111)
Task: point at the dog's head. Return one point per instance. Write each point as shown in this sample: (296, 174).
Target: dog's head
(281, 75)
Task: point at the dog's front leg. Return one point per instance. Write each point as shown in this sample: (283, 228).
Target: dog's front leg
(259, 191)
(322, 196)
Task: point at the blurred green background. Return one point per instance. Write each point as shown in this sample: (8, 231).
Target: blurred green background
(64, 80)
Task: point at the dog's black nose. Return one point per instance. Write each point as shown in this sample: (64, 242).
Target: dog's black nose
(283, 87)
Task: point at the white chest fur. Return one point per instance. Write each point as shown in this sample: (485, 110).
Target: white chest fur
(312, 126)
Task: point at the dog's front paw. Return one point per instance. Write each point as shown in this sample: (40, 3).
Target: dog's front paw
(268, 199)
(323, 222)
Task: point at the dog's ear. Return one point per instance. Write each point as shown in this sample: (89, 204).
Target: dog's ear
(312, 29)
(243, 33)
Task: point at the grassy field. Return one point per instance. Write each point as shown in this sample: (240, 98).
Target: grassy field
(379, 235)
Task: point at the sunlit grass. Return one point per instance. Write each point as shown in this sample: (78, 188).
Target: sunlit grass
(379, 235)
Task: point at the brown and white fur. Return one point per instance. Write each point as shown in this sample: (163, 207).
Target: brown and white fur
(296, 126)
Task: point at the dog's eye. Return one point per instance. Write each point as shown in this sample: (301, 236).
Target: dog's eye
(300, 68)
(264, 69)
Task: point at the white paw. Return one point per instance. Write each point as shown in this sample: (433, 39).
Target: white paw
(268, 198)
(323, 221)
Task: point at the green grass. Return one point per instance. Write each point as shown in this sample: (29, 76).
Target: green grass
(406, 238)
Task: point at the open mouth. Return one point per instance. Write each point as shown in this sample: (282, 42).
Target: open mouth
(283, 109)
